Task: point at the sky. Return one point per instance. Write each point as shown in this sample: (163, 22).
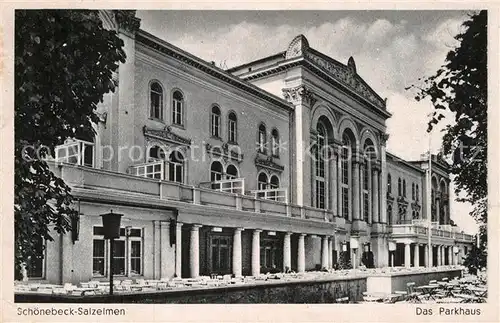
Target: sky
(392, 50)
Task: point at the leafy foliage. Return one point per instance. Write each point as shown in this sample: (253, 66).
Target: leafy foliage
(64, 61)
(461, 87)
(476, 258)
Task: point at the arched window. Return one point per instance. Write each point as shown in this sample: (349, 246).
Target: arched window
(155, 153)
(262, 138)
(177, 108)
(215, 121)
(232, 127)
(231, 172)
(389, 214)
(320, 173)
(413, 191)
(389, 184)
(216, 171)
(275, 143)
(156, 101)
(400, 189)
(404, 187)
(346, 154)
(275, 182)
(417, 193)
(176, 167)
(369, 154)
(262, 181)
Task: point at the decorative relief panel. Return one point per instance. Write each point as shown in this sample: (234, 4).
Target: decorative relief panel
(224, 152)
(268, 163)
(166, 135)
(347, 76)
(298, 93)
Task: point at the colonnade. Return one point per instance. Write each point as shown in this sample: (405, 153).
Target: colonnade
(327, 247)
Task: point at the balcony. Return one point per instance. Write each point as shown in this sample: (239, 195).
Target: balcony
(145, 182)
(419, 228)
(76, 152)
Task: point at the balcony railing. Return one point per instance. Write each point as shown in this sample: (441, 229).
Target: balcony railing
(277, 194)
(150, 170)
(419, 227)
(235, 186)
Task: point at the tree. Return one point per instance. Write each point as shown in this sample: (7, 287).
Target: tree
(64, 62)
(460, 86)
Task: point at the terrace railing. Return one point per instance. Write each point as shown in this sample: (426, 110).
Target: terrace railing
(277, 194)
(153, 169)
(235, 186)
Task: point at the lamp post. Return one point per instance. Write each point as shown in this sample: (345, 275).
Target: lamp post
(354, 244)
(111, 225)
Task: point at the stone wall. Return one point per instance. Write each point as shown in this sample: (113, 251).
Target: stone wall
(324, 291)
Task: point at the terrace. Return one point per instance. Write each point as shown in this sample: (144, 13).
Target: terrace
(147, 180)
(419, 229)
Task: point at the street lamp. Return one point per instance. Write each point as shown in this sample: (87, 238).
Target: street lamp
(344, 246)
(111, 226)
(354, 243)
(455, 252)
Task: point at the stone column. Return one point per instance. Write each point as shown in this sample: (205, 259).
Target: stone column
(339, 184)
(407, 255)
(301, 254)
(426, 255)
(256, 252)
(237, 252)
(287, 252)
(330, 252)
(178, 250)
(355, 189)
(416, 255)
(194, 251)
(375, 195)
(333, 181)
(324, 253)
(438, 255)
(443, 252)
(383, 175)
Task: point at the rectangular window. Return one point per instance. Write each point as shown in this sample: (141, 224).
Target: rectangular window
(220, 254)
(175, 172)
(177, 112)
(215, 125)
(156, 111)
(232, 131)
(127, 253)
(99, 258)
(320, 194)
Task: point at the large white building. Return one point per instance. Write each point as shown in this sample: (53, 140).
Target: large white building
(276, 164)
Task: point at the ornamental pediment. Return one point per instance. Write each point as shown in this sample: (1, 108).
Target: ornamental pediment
(268, 163)
(225, 152)
(347, 76)
(166, 135)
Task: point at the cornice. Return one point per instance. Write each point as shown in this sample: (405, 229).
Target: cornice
(206, 84)
(172, 51)
(268, 163)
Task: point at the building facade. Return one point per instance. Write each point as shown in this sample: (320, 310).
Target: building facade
(275, 165)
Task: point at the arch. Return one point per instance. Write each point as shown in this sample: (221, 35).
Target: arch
(155, 152)
(321, 112)
(232, 127)
(404, 187)
(178, 106)
(215, 121)
(262, 137)
(400, 191)
(434, 183)
(156, 99)
(262, 181)
(274, 182)
(346, 123)
(443, 186)
(216, 171)
(369, 151)
(275, 142)
(232, 172)
(368, 135)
